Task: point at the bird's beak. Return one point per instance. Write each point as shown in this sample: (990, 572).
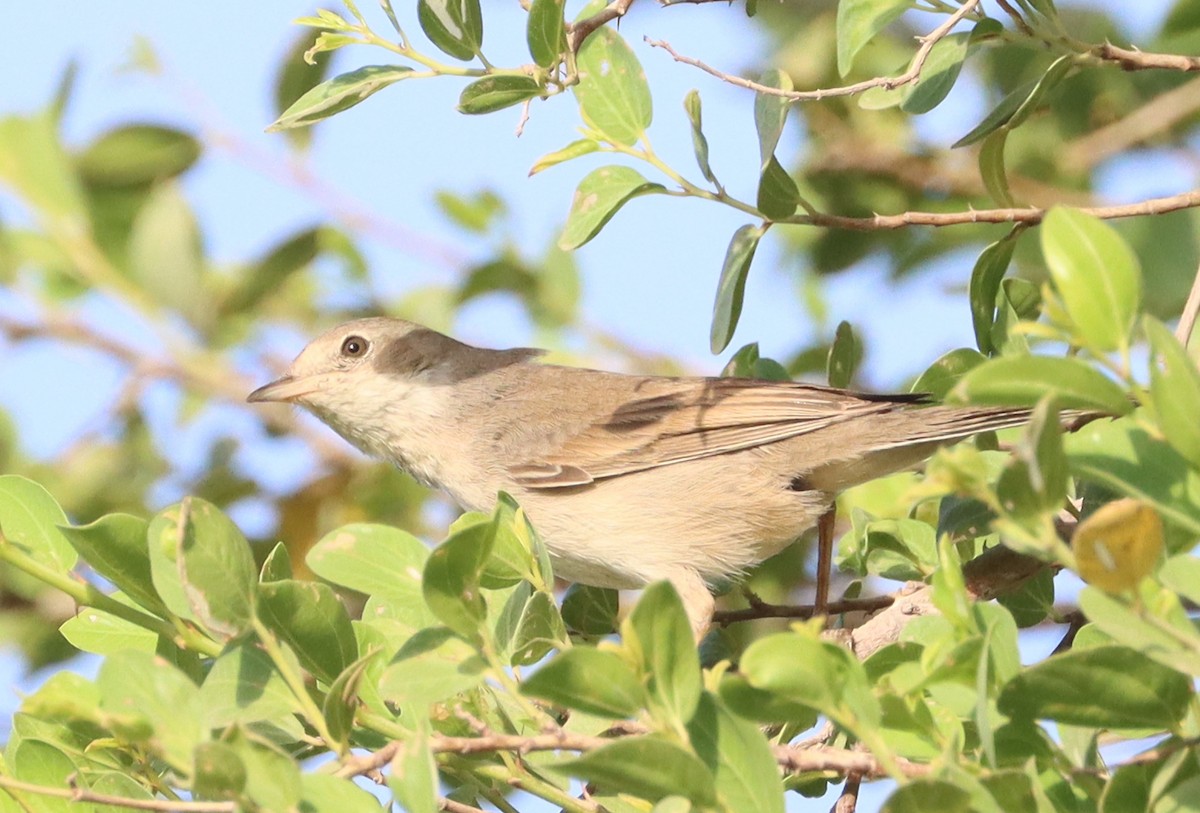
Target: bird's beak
(284, 388)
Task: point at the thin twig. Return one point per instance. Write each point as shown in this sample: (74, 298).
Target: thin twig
(761, 609)
(848, 801)
(451, 806)
(1187, 319)
(887, 82)
(84, 795)
(1032, 215)
(1134, 60)
(583, 29)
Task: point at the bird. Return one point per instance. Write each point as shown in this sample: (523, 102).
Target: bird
(628, 479)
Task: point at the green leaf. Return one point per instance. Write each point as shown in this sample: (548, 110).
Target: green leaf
(1116, 454)
(35, 166)
(985, 286)
(591, 610)
(1114, 621)
(216, 568)
(163, 539)
(1174, 390)
(545, 32)
(938, 74)
(454, 26)
(613, 96)
(166, 257)
(431, 666)
(947, 371)
(813, 673)
(763, 706)
(1020, 103)
(1054, 75)
(1023, 380)
(31, 519)
(647, 767)
(341, 702)
(778, 195)
(858, 21)
(309, 617)
(529, 626)
(575, 149)
(600, 194)
(115, 547)
(244, 686)
(101, 633)
(265, 276)
(770, 114)
(218, 772)
(691, 104)
(162, 702)
(451, 583)
(1181, 573)
(728, 306)
(136, 155)
(339, 93)
(1105, 686)
(377, 560)
(991, 168)
(1096, 274)
(928, 796)
(1035, 480)
(272, 775)
(999, 116)
(413, 777)
(737, 753)
(1033, 601)
(593, 681)
(661, 637)
(299, 73)
(493, 93)
(845, 354)
(40, 763)
(277, 566)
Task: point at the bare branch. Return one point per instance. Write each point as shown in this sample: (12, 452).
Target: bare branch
(1187, 320)
(1031, 215)
(78, 794)
(1134, 60)
(583, 29)
(887, 82)
(761, 609)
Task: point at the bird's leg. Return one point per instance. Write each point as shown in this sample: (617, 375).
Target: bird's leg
(824, 559)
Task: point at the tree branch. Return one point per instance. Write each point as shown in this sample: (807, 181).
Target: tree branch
(1187, 319)
(583, 29)
(1134, 60)
(761, 609)
(1032, 215)
(886, 82)
(78, 794)
(1156, 116)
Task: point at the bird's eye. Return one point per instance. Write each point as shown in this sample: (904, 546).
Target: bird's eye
(354, 346)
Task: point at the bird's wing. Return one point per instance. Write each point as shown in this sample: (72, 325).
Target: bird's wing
(694, 418)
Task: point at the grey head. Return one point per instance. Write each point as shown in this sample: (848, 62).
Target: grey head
(379, 381)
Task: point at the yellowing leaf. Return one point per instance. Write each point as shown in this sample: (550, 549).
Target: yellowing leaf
(1118, 546)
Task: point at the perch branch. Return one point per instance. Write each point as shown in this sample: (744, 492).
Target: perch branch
(886, 82)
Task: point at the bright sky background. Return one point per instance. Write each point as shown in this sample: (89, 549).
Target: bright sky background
(649, 277)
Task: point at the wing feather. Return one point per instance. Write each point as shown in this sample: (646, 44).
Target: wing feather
(696, 418)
